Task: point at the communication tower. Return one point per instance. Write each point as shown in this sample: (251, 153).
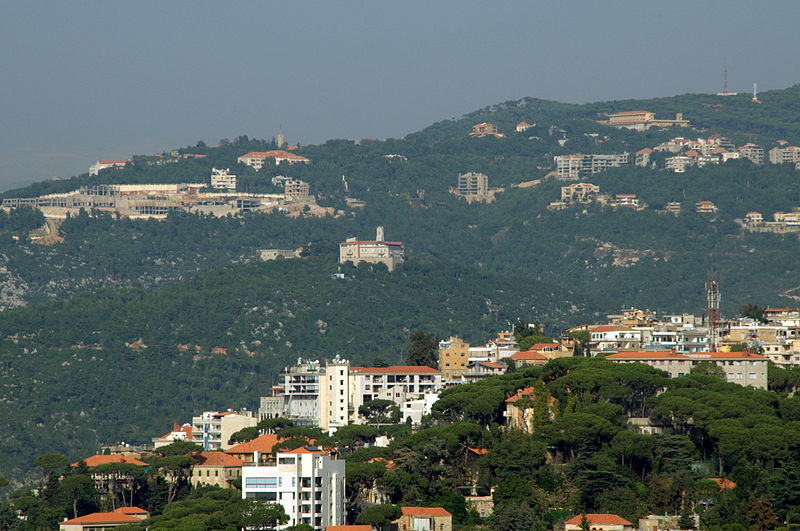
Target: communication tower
(755, 94)
(712, 293)
(725, 85)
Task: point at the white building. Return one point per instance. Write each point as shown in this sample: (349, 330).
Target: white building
(579, 165)
(378, 251)
(95, 168)
(213, 429)
(307, 482)
(256, 159)
(223, 179)
(399, 383)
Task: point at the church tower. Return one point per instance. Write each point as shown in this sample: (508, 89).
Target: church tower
(281, 141)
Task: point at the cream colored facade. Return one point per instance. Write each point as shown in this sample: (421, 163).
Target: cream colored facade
(372, 252)
(295, 189)
(334, 394)
(216, 469)
(213, 429)
(424, 519)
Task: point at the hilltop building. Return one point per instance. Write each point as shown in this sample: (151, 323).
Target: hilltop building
(223, 179)
(484, 129)
(378, 251)
(578, 165)
(307, 482)
(524, 126)
(256, 159)
(95, 168)
(641, 120)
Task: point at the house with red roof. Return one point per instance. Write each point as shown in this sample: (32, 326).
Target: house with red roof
(530, 357)
(643, 157)
(519, 413)
(479, 370)
(256, 159)
(178, 433)
(99, 459)
(105, 521)
(523, 126)
(599, 522)
(427, 518)
(95, 168)
(379, 251)
(261, 446)
(217, 469)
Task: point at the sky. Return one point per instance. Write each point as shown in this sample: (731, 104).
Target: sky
(108, 79)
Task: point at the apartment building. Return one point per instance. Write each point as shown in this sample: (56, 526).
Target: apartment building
(484, 129)
(295, 189)
(743, 368)
(378, 251)
(780, 155)
(398, 383)
(307, 482)
(705, 207)
(213, 429)
(223, 179)
(678, 163)
(643, 157)
(472, 184)
(612, 338)
(578, 165)
(753, 152)
(453, 357)
(579, 193)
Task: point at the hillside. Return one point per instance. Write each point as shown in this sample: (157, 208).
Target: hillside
(122, 365)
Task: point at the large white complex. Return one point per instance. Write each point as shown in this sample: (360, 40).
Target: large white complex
(578, 165)
(372, 252)
(307, 482)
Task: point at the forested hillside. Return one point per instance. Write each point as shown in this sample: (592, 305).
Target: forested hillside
(123, 365)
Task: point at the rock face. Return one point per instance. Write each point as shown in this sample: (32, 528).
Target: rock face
(12, 287)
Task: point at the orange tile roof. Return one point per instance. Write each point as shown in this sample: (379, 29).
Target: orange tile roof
(607, 328)
(306, 450)
(120, 516)
(525, 393)
(727, 355)
(263, 444)
(186, 430)
(492, 365)
(599, 519)
(724, 483)
(478, 451)
(218, 459)
(97, 460)
(424, 511)
(527, 356)
(645, 150)
(542, 346)
(691, 153)
(399, 369)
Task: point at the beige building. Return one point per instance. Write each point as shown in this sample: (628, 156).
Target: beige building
(398, 383)
(378, 251)
(521, 418)
(453, 357)
(223, 179)
(579, 165)
(424, 519)
(473, 185)
(599, 522)
(295, 189)
(217, 469)
(213, 429)
(523, 359)
(641, 120)
(256, 159)
(743, 368)
(484, 129)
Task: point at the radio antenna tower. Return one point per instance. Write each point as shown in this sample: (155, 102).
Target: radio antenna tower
(755, 94)
(725, 85)
(712, 292)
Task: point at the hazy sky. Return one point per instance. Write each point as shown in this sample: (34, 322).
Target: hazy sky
(108, 79)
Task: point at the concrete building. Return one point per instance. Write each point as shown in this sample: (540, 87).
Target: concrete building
(472, 184)
(256, 159)
(213, 429)
(642, 120)
(579, 193)
(295, 189)
(217, 469)
(307, 482)
(334, 396)
(95, 168)
(453, 357)
(480, 370)
(678, 163)
(576, 166)
(643, 157)
(178, 433)
(378, 251)
(780, 155)
(743, 368)
(273, 254)
(424, 519)
(398, 383)
(223, 179)
(705, 207)
(753, 152)
(484, 129)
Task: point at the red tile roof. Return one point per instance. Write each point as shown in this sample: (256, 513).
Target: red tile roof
(727, 355)
(492, 365)
(607, 328)
(424, 511)
(186, 430)
(218, 459)
(263, 444)
(525, 393)
(600, 519)
(724, 483)
(306, 450)
(120, 516)
(543, 346)
(97, 460)
(399, 369)
(645, 150)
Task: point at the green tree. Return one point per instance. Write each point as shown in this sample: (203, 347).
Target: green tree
(754, 311)
(511, 517)
(423, 349)
(380, 515)
(709, 369)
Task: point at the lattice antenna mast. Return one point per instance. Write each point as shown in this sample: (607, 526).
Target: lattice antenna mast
(713, 295)
(725, 81)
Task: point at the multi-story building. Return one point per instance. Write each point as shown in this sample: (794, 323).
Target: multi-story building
(295, 189)
(519, 417)
(334, 396)
(307, 482)
(472, 184)
(743, 368)
(213, 429)
(579, 165)
(641, 120)
(223, 179)
(678, 163)
(705, 207)
(256, 159)
(372, 252)
(779, 155)
(643, 157)
(753, 152)
(579, 192)
(484, 129)
(216, 468)
(297, 395)
(398, 383)
(613, 338)
(479, 370)
(673, 207)
(453, 357)
(95, 168)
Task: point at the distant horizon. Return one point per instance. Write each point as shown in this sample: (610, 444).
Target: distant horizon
(112, 79)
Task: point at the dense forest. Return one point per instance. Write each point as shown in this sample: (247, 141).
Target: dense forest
(581, 456)
(189, 283)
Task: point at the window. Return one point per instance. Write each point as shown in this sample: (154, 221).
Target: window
(270, 482)
(286, 461)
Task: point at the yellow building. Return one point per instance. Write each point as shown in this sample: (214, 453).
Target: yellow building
(216, 468)
(424, 518)
(521, 418)
(453, 358)
(484, 129)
